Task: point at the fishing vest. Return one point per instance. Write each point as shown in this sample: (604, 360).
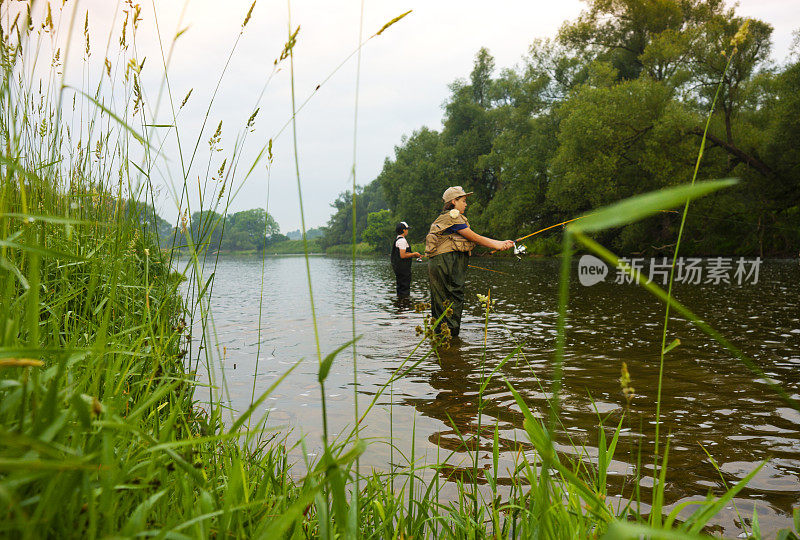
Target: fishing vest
(399, 264)
(440, 240)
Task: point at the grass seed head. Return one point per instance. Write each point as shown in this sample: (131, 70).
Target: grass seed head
(625, 382)
(287, 48)
(251, 121)
(186, 98)
(215, 139)
(48, 21)
(741, 34)
(97, 407)
(123, 38)
(249, 13)
(86, 35)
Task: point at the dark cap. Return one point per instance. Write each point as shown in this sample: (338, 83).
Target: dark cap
(401, 227)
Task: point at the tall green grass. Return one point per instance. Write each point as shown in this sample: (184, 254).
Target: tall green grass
(112, 420)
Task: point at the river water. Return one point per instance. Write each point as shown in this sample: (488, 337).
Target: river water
(711, 402)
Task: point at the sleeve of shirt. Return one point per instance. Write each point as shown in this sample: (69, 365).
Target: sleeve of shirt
(460, 224)
(455, 228)
(401, 244)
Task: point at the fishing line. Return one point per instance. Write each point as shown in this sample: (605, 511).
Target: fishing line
(489, 269)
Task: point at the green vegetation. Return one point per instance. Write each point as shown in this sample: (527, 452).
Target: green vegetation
(251, 229)
(380, 231)
(362, 249)
(293, 247)
(613, 107)
(310, 234)
(105, 427)
(340, 226)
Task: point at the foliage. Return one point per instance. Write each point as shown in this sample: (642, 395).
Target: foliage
(311, 233)
(380, 231)
(339, 229)
(413, 182)
(612, 108)
(242, 231)
(361, 249)
(151, 222)
(294, 247)
(273, 239)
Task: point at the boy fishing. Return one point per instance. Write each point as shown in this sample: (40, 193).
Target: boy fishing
(401, 260)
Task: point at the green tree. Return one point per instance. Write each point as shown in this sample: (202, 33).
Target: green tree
(620, 31)
(247, 229)
(470, 125)
(617, 141)
(522, 150)
(145, 214)
(413, 183)
(481, 78)
(380, 231)
(339, 229)
(273, 239)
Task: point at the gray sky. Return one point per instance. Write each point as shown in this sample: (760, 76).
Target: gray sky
(404, 81)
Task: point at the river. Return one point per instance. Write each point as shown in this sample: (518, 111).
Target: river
(710, 400)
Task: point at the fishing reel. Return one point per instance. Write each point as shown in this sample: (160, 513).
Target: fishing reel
(520, 249)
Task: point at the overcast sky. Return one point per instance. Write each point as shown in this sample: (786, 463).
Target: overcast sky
(404, 81)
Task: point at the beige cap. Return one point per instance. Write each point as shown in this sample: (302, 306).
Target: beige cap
(454, 192)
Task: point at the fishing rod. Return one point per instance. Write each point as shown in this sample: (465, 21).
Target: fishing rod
(548, 228)
(520, 239)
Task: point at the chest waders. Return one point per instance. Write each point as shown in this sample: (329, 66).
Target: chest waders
(447, 273)
(402, 270)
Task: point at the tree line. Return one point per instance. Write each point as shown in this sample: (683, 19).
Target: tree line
(208, 230)
(248, 230)
(614, 106)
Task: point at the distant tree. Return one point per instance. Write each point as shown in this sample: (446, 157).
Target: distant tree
(247, 229)
(522, 151)
(237, 240)
(414, 181)
(273, 239)
(481, 78)
(380, 231)
(152, 222)
(339, 229)
(314, 232)
(241, 231)
(205, 230)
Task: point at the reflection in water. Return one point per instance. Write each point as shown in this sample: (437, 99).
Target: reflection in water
(710, 400)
